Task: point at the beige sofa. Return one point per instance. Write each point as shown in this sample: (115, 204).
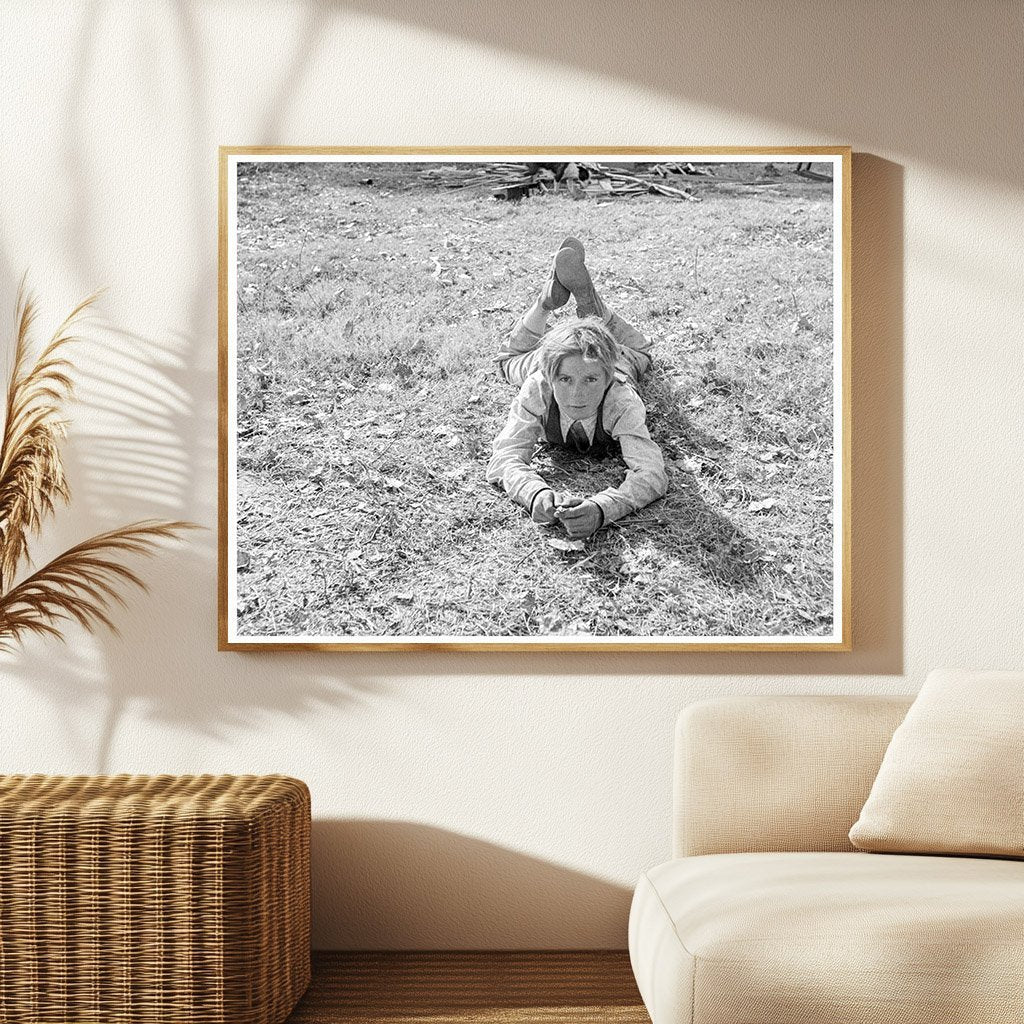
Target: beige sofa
(768, 915)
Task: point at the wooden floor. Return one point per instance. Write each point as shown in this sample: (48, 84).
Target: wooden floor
(465, 988)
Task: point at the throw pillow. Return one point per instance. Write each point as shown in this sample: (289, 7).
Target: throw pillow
(951, 780)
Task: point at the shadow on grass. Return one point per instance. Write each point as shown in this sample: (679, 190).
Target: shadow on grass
(717, 547)
(681, 526)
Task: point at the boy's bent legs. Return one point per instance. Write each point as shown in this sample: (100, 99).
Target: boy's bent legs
(633, 347)
(515, 369)
(634, 360)
(518, 358)
(625, 334)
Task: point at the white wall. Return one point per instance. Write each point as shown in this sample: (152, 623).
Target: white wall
(471, 800)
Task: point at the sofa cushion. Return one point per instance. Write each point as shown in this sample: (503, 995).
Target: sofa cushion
(788, 938)
(950, 780)
(777, 772)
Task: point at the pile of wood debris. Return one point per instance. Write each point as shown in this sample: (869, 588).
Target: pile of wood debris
(515, 181)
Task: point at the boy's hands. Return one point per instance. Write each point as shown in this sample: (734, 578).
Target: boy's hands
(543, 508)
(580, 516)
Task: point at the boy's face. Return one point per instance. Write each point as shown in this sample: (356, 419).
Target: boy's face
(579, 385)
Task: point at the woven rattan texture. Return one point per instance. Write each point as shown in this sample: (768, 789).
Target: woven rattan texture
(138, 899)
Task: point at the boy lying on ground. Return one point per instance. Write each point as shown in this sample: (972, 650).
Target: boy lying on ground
(578, 390)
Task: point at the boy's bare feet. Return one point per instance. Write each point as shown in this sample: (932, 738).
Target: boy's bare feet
(572, 273)
(555, 293)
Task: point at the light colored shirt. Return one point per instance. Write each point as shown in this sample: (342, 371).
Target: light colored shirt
(589, 425)
(624, 418)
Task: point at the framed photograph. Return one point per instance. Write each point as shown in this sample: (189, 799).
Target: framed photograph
(507, 399)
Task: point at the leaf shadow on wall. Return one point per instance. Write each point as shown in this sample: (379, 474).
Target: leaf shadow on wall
(405, 885)
(148, 448)
(134, 389)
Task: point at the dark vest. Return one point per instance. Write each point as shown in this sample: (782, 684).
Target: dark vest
(603, 443)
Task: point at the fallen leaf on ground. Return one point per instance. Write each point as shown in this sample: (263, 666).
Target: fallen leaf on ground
(566, 545)
(761, 506)
(579, 628)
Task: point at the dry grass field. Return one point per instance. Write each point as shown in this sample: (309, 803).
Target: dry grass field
(368, 315)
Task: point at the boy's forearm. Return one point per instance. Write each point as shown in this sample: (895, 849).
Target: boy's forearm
(612, 508)
(521, 483)
(636, 491)
(525, 493)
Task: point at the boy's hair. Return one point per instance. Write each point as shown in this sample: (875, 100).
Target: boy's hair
(589, 338)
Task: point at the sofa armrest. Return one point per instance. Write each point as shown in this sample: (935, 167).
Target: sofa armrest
(777, 773)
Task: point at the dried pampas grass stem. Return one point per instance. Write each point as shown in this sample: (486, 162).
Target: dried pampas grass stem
(82, 583)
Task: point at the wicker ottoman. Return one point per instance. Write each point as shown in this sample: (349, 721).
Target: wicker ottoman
(172, 899)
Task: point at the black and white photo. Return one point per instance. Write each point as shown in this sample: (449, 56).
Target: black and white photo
(501, 400)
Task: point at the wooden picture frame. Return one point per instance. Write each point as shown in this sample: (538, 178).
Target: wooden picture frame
(364, 295)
